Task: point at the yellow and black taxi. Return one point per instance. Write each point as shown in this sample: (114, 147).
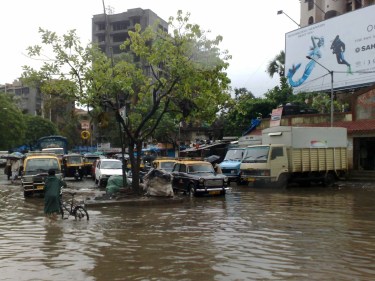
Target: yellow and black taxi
(35, 171)
(165, 164)
(198, 178)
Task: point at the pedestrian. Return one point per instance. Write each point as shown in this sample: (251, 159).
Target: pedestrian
(8, 169)
(52, 193)
(15, 165)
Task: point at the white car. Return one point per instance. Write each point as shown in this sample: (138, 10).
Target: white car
(106, 168)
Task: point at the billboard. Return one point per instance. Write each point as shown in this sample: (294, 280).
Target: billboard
(344, 45)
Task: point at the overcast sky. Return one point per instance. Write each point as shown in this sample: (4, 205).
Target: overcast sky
(252, 31)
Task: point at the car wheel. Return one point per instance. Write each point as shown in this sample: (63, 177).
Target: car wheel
(26, 194)
(192, 190)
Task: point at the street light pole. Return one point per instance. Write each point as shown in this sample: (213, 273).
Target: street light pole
(282, 12)
(331, 73)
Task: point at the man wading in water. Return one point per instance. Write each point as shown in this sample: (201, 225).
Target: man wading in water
(52, 191)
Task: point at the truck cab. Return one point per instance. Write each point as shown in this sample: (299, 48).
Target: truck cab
(230, 166)
(263, 164)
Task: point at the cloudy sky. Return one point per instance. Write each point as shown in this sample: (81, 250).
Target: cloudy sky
(253, 35)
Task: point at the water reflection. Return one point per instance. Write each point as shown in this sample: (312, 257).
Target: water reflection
(296, 234)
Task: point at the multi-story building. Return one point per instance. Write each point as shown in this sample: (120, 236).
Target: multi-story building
(313, 11)
(109, 31)
(28, 99)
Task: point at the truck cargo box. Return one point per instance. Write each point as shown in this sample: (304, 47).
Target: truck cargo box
(317, 159)
(306, 137)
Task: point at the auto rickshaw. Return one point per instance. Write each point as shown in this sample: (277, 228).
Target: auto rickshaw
(73, 166)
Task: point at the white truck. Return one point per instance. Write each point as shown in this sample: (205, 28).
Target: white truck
(296, 154)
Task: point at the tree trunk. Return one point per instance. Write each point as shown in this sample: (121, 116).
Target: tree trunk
(135, 165)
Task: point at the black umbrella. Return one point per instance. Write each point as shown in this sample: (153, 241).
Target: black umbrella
(212, 159)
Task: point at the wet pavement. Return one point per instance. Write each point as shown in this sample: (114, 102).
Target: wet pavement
(310, 233)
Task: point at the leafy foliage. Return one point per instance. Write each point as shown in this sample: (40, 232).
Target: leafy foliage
(37, 127)
(12, 125)
(182, 74)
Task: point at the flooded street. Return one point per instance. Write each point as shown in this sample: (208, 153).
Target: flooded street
(251, 234)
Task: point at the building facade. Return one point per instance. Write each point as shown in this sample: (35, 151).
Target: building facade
(28, 99)
(313, 11)
(109, 31)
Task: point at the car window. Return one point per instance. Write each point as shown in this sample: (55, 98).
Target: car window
(166, 165)
(111, 165)
(201, 168)
(183, 168)
(176, 167)
(41, 165)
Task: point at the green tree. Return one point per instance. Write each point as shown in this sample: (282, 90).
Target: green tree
(241, 110)
(277, 65)
(182, 73)
(37, 127)
(280, 95)
(12, 125)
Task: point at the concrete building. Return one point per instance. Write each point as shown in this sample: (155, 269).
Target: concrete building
(28, 99)
(109, 31)
(313, 11)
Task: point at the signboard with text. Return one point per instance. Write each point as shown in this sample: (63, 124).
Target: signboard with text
(344, 45)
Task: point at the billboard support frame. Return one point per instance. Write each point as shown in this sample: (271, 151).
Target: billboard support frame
(331, 73)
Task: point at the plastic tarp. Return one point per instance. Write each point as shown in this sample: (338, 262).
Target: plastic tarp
(158, 183)
(115, 183)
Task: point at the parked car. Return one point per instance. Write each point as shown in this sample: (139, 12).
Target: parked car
(165, 164)
(35, 171)
(198, 178)
(105, 168)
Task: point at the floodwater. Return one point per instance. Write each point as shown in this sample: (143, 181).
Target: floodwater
(250, 234)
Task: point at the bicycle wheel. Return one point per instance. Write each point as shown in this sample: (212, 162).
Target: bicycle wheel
(80, 213)
(64, 215)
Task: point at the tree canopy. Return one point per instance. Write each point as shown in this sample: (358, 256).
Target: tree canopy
(12, 125)
(181, 73)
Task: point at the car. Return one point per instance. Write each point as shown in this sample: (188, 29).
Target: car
(165, 164)
(35, 171)
(198, 178)
(105, 168)
(89, 164)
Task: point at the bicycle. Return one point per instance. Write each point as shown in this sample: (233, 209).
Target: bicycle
(72, 208)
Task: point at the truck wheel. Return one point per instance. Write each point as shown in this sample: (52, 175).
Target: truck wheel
(282, 182)
(241, 182)
(329, 180)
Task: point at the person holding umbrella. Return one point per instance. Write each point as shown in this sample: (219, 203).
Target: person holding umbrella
(15, 166)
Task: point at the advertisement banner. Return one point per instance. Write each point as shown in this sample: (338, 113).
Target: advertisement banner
(344, 45)
(276, 117)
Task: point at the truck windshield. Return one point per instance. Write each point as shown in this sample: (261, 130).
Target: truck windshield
(234, 155)
(256, 154)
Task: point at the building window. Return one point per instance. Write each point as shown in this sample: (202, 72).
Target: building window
(101, 38)
(121, 25)
(357, 4)
(349, 6)
(101, 26)
(120, 37)
(330, 14)
(310, 5)
(311, 20)
(136, 20)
